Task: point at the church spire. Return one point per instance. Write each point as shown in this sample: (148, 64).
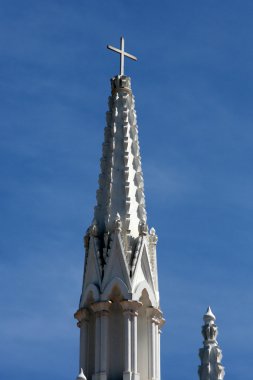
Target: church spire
(210, 355)
(120, 197)
(119, 304)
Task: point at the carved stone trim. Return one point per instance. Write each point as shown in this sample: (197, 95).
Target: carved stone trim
(130, 307)
(82, 315)
(101, 308)
(123, 89)
(210, 355)
(143, 228)
(124, 183)
(155, 315)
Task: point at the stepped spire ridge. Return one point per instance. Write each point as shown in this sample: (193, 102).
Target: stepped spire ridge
(120, 197)
(211, 354)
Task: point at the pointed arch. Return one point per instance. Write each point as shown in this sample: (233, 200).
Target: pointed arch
(92, 270)
(116, 265)
(115, 282)
(90, 295)
(138, 291)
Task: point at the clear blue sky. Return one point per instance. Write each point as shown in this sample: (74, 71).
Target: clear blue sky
(193, 85)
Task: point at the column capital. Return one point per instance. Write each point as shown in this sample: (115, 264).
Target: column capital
(101, 307)
(161, 323)
(82, 315)
(155, 315)
(130, 306)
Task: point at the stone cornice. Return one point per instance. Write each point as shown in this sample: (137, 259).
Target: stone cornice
(101, 307)
(82, 315)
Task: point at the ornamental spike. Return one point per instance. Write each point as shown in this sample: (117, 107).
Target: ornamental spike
(209, 315)
(211, 354)
(81, 375)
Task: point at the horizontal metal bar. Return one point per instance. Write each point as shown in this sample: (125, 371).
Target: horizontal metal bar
(114, 49)
(121, 52)
(130, 56)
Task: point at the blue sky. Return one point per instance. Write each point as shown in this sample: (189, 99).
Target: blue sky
(193, 85)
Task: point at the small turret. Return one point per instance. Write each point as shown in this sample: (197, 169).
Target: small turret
(210, 355)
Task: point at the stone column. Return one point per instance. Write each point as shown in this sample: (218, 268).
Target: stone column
(82, 315)
(127, 344)
(154, 321)
(130, 312)
(161, 322)
(101, 310)
(159, 354)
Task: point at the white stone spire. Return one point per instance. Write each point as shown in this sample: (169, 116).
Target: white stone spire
(119, 313)
(120, 197)
(210, 355)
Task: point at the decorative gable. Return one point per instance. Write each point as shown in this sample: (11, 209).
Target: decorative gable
(142, 273)
(116, 266)
(92, 270)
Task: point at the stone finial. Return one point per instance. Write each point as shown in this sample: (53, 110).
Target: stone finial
(152, 255)
(81, 375)
(210, 355)
(209, 330)
(153, 238)
(209, 315)
(143, 228)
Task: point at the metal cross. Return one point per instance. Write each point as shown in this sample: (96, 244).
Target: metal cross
(122, 53)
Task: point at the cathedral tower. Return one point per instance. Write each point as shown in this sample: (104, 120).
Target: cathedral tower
(119, 315)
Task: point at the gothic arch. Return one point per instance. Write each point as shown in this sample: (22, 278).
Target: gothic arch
(90, 295)
(116, 282)
(139, 290)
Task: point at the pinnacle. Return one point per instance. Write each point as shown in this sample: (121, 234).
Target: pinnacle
(211, 354)
(209, 315)
(81, 376)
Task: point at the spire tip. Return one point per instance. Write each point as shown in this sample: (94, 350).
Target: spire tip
(209, 315)
(81, 375)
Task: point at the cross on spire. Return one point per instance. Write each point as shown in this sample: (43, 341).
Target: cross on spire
(122, 53)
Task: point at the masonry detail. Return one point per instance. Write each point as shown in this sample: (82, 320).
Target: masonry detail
(210, 355)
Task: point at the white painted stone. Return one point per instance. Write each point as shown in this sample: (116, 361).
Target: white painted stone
(121, 191)
(210, 355)
(118, 337)
(81, 376)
